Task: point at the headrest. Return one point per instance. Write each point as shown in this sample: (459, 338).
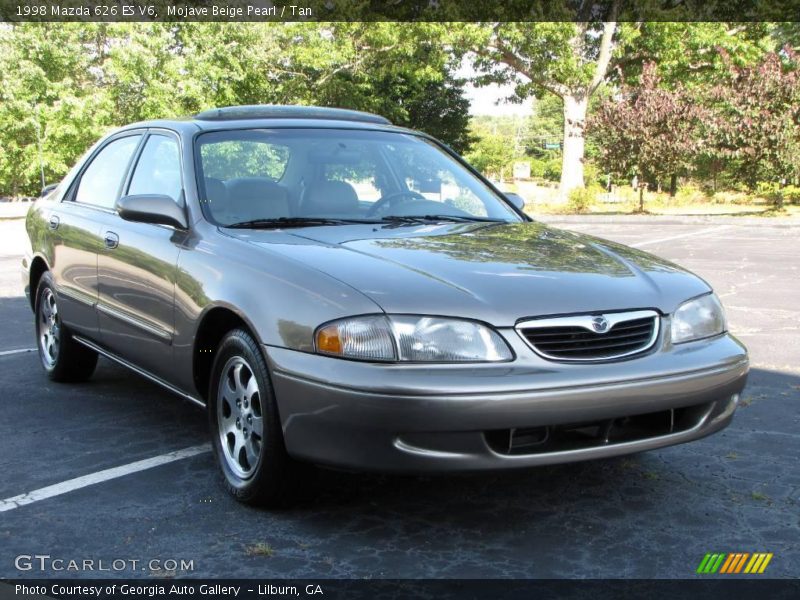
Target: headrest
(330, 198)
(256, 198)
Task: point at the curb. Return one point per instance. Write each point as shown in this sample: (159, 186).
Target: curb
(669, 219)
(14, 210)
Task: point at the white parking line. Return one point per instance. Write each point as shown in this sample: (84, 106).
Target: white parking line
(99, 477)
(682, 235)
(17, 351)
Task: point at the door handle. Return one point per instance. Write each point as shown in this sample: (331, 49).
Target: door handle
(54, 221)
(111, 239)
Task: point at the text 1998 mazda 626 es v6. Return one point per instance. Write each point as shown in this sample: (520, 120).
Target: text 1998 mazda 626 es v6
(336, 290)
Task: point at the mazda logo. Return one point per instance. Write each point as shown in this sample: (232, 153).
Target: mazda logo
(600, 324)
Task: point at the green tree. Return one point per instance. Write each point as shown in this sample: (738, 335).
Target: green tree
(62, 85)
(648, 131)
(569, 60)
(491, 153)
(572, 60)
(757, 122)
(49, 109)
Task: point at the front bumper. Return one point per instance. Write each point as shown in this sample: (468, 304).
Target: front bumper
(417, 418)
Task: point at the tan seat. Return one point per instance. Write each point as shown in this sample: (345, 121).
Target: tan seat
(330, 199)
(253, 198)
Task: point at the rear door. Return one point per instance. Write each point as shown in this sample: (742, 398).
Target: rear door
(75, 227)
(137, 265)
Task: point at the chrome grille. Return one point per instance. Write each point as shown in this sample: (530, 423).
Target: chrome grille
(592, 337)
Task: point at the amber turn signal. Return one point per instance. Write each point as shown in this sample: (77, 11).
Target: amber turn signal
(328, 340)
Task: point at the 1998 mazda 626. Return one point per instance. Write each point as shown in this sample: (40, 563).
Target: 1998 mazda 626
(336, 290)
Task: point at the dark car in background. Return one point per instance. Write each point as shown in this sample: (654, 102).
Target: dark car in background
(336, 290)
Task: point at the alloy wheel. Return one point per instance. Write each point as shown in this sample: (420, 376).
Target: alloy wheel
(49, 328)
(239, 417)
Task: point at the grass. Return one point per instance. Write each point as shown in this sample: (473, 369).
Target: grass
(689, 201)
(760, 497)
(260, 549)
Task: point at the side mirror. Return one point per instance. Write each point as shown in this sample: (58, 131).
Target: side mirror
(517, 200)
(47, 189)
(152, 208)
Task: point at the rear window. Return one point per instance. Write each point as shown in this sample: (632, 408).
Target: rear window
(244, 158)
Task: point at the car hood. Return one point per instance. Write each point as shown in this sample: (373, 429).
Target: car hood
(498, 273)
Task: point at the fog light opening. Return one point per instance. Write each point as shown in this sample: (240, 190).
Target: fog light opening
(523, 439)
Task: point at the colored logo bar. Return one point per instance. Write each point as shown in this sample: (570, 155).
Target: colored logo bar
(734, 562)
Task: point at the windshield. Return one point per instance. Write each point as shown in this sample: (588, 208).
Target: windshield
(256, 177)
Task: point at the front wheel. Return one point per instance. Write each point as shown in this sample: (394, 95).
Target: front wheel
(62, 357)
(245, 425)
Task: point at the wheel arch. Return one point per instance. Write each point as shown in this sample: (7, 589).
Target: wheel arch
(215, 322)
(38, 268)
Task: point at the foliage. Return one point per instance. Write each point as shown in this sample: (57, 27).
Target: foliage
(757, 120)
(721, 105)
(690, 193)
(547, 120)
(47, 102)
(648, 130)
(64, 84)
(687, 53)
(570, 61)
(581, 199)
(491, 154)
(227, 159)
(566, 59)
(777, 192)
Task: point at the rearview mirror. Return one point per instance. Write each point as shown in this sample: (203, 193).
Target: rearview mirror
(429, 186)
(152, 208)
(517, 200)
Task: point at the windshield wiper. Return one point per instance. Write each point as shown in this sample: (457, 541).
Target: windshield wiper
(281, 222)
(429, 218)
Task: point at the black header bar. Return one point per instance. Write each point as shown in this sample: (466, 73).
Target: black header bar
(277, 11)
(741, 588)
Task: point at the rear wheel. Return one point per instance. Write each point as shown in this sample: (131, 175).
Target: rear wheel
(62, 357)
(245, 425)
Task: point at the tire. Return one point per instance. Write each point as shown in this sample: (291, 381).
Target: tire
(63, 359)
(245, 426)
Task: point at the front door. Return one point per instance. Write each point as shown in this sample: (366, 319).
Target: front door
(137, 265)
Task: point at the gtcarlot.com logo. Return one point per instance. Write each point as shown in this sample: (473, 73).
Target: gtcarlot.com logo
(732, 563)
(45, 562)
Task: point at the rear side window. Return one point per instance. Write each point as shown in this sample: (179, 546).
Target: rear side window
(101, 180)
(158, 170)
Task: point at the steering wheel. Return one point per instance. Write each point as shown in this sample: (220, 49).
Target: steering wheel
(389, 199)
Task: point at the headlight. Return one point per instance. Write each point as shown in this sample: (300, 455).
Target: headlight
(411, 339)
(696, 319)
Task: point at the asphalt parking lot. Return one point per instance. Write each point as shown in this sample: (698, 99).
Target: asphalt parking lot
(649, 515)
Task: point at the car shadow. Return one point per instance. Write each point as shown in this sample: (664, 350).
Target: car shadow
(17, 327)
(644, 480)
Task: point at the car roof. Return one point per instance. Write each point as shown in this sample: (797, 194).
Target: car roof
(274, 117)
(271, 111)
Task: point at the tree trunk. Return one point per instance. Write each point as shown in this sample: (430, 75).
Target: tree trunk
(673, 185)
(641, 198)
(572, 159)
